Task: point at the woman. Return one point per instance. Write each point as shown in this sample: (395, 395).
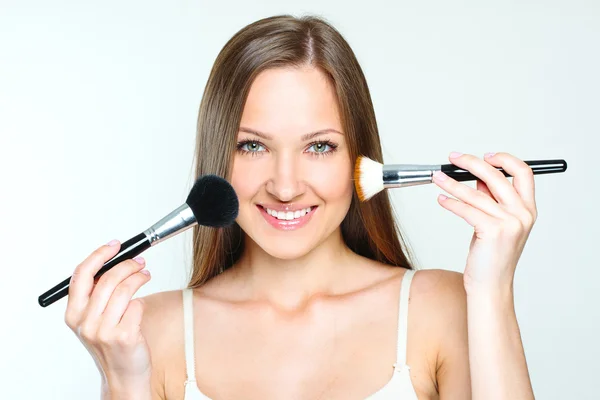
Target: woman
(307, 295)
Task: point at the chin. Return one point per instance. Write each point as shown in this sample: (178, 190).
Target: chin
(286, 248)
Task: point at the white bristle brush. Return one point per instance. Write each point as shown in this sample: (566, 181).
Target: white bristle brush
(371, 177)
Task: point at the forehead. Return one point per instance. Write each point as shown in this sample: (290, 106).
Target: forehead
(291, 101)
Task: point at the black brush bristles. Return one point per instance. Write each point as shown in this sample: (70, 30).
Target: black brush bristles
(213, 201)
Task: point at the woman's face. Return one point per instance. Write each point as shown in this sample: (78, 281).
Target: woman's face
(292, 170)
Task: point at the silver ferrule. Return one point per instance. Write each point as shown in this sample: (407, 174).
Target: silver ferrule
(176, 222)
(401, 175)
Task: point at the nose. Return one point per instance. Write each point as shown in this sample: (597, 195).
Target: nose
(285, 183)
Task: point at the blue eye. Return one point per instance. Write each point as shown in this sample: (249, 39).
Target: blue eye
(251, 146)
(320, 147)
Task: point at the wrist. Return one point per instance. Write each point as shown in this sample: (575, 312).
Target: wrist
(490, 301)
(118, 390)
(499, 289)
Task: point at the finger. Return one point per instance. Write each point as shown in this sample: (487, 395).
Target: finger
(469, 195)
(82, 282)
(499, 186)
(108, 283)
(122, 296)
(133, 314)
(483, 188)
(470, 214)
(523, 178)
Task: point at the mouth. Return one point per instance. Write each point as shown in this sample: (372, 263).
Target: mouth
(287, 220)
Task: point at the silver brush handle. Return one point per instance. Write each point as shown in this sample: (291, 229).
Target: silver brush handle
(395, 176)
(174, 223)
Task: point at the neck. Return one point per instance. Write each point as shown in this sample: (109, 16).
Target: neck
(290, 284)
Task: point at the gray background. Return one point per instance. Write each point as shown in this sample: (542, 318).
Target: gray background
(98, 104)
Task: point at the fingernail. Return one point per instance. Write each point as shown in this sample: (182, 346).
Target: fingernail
(139, 260)
(487, 155)
(455, 154)
(145, 272)
(440, 176)
(442, 197)
(113, 242)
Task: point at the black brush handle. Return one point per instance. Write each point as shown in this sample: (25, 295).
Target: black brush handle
(129, 249)
(538, 167)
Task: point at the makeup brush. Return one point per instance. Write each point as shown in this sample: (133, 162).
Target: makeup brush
(371, 177)
(211, 202)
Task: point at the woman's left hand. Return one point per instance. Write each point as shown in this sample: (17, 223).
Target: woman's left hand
(502, 214)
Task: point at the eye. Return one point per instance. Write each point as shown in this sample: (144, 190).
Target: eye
(321, 148)
(250, 146)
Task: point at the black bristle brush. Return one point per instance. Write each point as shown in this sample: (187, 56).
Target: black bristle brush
(211, 202)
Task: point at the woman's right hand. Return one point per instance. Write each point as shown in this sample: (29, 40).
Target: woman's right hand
(107, 320)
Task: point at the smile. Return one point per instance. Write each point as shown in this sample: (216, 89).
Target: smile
(288, 215)
(287, 220)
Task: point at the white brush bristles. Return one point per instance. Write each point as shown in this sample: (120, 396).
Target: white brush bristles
(368, 175)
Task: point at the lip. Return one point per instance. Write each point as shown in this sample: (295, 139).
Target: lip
(286, 207)
(286, 225)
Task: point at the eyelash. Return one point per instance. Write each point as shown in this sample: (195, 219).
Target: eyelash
(332, 146)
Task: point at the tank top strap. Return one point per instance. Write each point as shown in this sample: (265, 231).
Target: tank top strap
(188, 325)
(403, 318)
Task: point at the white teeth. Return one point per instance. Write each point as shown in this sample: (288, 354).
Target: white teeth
(288, 215)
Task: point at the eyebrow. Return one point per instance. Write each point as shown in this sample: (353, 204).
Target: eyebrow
(304, 137)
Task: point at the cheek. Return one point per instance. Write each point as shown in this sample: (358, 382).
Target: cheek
(333, 181)
(245, 179)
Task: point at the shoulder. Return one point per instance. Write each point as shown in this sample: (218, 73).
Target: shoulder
(162, 323)
(440, 297)
(438, 285)
(161, 310)
(437, 300)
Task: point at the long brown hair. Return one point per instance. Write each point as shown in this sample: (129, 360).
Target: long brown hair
(369, 228)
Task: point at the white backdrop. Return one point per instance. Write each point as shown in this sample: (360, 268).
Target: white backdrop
(98, 104)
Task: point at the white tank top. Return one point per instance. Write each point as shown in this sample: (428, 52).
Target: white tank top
(398, 387)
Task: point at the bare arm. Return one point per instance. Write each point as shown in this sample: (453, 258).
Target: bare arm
(151, 390)
(481, 355)
(111, 392)
(502, 216)
(498, 365)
